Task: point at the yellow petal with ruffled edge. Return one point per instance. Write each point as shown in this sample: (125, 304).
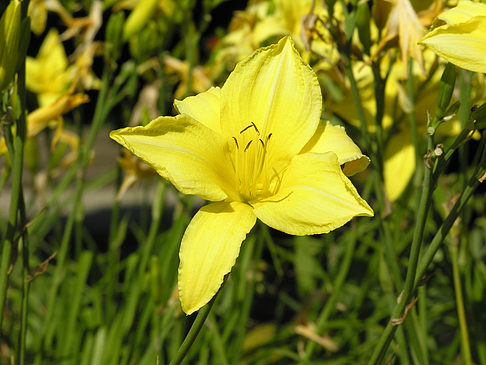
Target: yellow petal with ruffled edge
(274, 89)
(462, 44)
(399, 165)
(209, 250)
(333, 138)
(314, 197)
(203, 107)
(185, 152)
(464, 11)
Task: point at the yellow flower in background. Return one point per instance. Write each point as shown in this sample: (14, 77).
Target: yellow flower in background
(255, 148)
(48, 75)
(462, 40)
(265, 20)
(404, 21)
(200, 80)
(400, 152)
(51, 115)
(38, 14)
(134, 169)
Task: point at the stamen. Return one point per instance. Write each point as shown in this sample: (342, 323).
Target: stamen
(258, 132)
(248, 145)
(251, 125)
(263, 144)
(268, 137)
(236, 142)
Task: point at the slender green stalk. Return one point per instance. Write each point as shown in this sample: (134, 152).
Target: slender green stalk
(331, 303)
(441, 234)
(377, 161)
(465, 86)
(426, 259)
(113, 248)
(191, 43)
(256, 249)
(193, 332)
(398, 313)
(136, 289)
(413, 129)
(101, 111)
(357, 101)
(466, 347)
(16, 193)
(25, 285)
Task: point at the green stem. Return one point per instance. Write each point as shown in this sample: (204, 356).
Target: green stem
(428, 256)
(331, 303)
(377, 160)
(466, 347)
(398, 312)
(413, 129)
(193, 332)
(25, 285)
(357, 102)
(441, 234)
(16, 193)
(101, 111)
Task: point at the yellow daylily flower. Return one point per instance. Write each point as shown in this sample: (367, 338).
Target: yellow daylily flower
(255, 148)
(400, 152)
(462, 40)
(264, 20)
(48, 75)
(134, 169)
(200, 80)
(43, 117)
(404, 23)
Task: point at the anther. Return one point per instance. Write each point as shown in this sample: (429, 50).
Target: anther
(261, 141)
(236, 142)
(254, 126)
(251, 125)
(268, 137)
(248, 145)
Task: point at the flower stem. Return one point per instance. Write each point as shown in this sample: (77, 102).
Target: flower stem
(466, 348)
(16, 193)
(331, 303)
(101, 111)
(404, 298)
(441, 234)
(25, 285)
(193, 332)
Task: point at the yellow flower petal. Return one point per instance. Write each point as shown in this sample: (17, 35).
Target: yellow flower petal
(315, 197)
(48, 74)
(463, 12)
(185, 152)
(276, 91)
(399, 165)
(333, 138)
(462, 44)
(203, 107)
(40, 118)
(209, 250)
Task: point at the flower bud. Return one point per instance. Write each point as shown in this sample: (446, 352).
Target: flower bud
(446, 88)
(13, 42)
(114, 32)
(139, 17)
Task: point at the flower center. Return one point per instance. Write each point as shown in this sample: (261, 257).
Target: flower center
(249, 159)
